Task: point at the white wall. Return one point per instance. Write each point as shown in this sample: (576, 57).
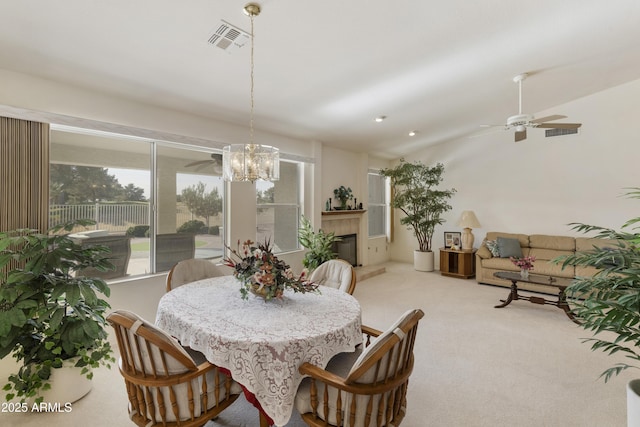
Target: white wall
(32, 93)
(542, 184)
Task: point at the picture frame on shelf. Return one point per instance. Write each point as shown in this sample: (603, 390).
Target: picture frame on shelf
(452, 239)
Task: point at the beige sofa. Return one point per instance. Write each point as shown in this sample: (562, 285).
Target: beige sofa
(544, 248)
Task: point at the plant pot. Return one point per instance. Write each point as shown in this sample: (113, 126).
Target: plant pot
(423, 261)
(8, 366)
(68, 384)
(633, 403)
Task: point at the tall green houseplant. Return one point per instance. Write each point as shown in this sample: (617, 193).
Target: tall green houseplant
(609, 301)
(49, 313)
(415, 192)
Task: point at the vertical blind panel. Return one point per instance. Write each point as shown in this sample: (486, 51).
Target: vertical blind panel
(24, 174)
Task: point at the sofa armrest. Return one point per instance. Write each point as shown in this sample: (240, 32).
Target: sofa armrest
(483, 252)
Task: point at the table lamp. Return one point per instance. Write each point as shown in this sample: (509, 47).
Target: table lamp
(468, 221)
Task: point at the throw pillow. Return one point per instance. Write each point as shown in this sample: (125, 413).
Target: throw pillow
(492, 245)
(509, 247)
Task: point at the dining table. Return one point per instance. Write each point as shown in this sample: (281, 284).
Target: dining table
(262, 343)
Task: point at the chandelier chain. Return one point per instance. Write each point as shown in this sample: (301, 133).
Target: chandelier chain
(250, 161)
(251, 15)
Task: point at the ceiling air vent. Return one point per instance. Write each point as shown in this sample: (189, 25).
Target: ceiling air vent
(548, 133)
(229, 37)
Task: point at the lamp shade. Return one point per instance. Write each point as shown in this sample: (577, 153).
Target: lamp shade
(468, 220)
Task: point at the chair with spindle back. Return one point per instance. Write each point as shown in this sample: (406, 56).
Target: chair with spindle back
(164, 384)
(368, 392)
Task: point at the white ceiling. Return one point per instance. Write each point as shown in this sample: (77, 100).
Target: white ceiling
(324, 70)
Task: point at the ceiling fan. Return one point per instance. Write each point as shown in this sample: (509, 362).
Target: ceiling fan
(215, 162)
(520, 122)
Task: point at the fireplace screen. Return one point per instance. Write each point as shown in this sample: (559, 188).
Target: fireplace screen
(347, 248)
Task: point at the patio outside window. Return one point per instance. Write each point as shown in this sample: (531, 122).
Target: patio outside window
(109, 178)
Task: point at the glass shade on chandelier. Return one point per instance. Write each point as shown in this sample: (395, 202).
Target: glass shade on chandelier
(250, 162)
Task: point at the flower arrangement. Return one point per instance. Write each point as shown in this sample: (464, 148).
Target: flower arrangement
(343, 194)
(263, 274)
(525, 263)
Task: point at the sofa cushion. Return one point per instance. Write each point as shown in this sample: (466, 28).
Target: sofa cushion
(499, 264)
(508, 247)
(547, 268)
(561, 243)
(584, 244)
(522, 238)
(493, 247)
(543, 254)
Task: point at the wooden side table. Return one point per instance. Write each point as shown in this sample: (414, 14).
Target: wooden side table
(458, 263)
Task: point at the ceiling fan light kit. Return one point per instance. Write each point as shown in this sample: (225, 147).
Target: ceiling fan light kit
(520, 122)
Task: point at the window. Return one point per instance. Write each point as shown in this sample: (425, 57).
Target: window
(109, 178)
(189, 205)
(377, 209)
(279, 208)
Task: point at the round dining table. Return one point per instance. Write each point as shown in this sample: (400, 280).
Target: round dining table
(262, 343)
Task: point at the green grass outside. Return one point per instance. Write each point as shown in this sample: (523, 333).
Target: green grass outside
(144, 246)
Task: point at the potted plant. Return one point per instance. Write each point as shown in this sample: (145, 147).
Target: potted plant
(343, 194)
(319, 245)
(609, 301)
(49, 315)
(415, 193)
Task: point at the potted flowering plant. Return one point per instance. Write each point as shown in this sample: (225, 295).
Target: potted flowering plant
(263, 274)
(525, 264)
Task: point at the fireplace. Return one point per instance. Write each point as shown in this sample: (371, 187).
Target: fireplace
(347, 225)
(347, 248)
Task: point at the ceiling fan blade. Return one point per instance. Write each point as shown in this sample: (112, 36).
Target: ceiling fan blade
(521, 135)
(199, 162)
(559, 125)
(548, 119)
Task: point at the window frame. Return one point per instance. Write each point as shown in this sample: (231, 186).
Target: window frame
(384, 204)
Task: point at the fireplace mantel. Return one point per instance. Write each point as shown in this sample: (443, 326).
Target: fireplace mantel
(345, 212)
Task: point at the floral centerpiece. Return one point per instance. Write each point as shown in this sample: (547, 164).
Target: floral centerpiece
(525, 264)
(263, 274)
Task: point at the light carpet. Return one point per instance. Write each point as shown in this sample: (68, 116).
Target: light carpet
(523, 365)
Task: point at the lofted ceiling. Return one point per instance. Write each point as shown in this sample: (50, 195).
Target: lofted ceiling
(325, 70)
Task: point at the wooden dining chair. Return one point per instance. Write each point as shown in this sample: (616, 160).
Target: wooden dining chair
(164, 384)
(190, 270)
(336, 273)
(370, 391)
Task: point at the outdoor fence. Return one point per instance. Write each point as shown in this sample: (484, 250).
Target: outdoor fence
(115, 217)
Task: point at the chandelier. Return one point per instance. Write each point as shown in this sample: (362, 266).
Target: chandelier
(250, 162)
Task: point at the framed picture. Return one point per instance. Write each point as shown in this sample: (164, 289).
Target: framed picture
(452, 239)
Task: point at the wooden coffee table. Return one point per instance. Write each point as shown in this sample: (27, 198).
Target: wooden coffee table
(559, 284)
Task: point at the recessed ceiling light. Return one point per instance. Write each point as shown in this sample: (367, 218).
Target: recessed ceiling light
(413, 133)
(380, 118)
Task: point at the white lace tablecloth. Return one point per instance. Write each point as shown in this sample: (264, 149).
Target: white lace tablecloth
(262, 343)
